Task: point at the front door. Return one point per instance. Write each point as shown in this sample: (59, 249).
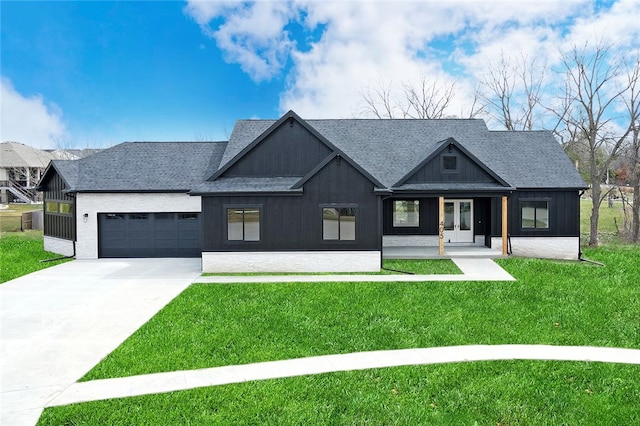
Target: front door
(458, 221)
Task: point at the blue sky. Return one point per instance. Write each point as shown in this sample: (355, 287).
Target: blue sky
(92, 74)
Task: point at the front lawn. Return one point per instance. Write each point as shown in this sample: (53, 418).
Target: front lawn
(555, 303)
(21, 253)
(559, 303)
(480, 393)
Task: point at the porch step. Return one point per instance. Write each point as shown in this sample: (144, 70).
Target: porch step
(430, 252)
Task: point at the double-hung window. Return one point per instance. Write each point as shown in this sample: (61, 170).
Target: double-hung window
(339, 223)
(534, 214)
(243, 223)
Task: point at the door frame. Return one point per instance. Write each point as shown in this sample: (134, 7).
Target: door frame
(457, 235)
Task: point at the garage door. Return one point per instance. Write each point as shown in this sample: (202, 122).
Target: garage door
(149, 234)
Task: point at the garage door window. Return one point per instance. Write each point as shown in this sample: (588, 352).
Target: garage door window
(243, 224)
(139, 216)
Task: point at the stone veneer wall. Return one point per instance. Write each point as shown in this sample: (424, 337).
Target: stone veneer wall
(544, 247)
(292, 261)
(58, 246)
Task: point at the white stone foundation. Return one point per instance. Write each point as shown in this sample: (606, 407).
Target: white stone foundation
(58, 246)
(543, 247)
(422, 241)
(409, 240)
(292, 261)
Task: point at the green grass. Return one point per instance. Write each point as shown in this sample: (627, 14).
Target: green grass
(560, 303)
(421, 267)
(554, 303)
(21, 253)
(481, 393)
(609, 216)
(11, 218)
(392, 266)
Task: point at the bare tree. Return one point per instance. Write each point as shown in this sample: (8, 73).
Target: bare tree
(632, 103)
(595, 91)
(512, 92)
(378, 100)
(426, 99)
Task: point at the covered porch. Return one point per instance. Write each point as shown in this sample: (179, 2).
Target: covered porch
(462, 224)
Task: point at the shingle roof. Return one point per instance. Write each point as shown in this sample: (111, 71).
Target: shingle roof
(248, 184)
(15, 154)
(149, 166)
(388, 149)
(68, 170)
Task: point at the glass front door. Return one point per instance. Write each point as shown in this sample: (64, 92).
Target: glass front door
(458, 221)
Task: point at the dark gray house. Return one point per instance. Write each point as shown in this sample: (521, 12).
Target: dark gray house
(317, 195)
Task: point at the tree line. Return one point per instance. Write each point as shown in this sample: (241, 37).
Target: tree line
(590, 100)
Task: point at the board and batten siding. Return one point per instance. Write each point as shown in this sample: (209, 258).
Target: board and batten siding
(294, 222)
(564, 213)
(467, 170)
(58, 225)
(291, 150)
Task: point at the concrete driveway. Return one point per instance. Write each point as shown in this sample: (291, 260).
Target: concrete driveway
(56, 324)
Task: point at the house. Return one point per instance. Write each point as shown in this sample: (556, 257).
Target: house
(317, 195)
(21, 167)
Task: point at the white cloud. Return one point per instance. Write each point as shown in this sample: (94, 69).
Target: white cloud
(365, 42)
(29, 119)
(252, 35)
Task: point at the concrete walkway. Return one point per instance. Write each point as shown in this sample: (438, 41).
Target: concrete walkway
(183, 380)
(56, 324)
(473, 269)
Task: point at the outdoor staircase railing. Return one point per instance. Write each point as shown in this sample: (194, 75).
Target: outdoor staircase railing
(26, 195)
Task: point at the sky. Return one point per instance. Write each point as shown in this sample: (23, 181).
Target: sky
(91, 74)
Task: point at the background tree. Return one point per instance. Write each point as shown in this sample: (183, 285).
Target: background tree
(632, 103)
(424, 98)
(595, 90)
(511, 92)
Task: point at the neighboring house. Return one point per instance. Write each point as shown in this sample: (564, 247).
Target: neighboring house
(72, 153)
(317, 195)
(21, 168)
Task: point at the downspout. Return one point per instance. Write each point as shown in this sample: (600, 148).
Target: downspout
(381, 228)
(581, 257)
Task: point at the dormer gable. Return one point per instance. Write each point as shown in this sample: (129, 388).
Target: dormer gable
(451, 162)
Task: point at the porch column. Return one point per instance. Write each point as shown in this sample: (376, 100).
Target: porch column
(441, 226)
(504, 226)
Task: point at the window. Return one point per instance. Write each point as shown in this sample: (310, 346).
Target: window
(243, 224)
(535, 214)
(339, 223)
(65, 208)
(52, 207)
(449, 163)
(406, 213)
(188, 216)
(138, 216)
(58, 207)
(115, 216)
